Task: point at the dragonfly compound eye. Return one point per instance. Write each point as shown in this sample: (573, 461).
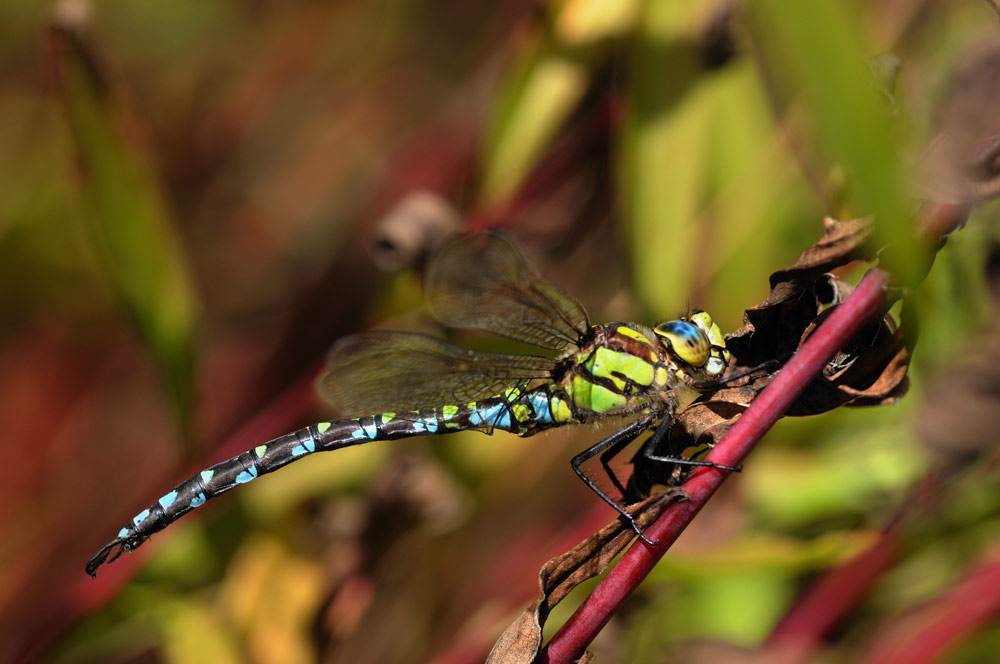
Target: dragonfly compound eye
(686, 340)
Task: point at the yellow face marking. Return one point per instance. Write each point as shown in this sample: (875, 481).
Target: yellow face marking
(716, 337)
(710, 327)
(702, 319)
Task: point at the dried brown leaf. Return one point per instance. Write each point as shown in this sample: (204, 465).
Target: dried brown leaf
(799, 293)
(870, 370)
(521, 641)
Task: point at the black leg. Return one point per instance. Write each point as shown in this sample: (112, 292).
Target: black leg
(645, 474)
(706, 385)
(649, 449)
(615, 442)
(610, 454)
(637, 488)
(681, 461)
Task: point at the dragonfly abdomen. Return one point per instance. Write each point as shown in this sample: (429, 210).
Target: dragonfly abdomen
(207, 484)
(518, 411)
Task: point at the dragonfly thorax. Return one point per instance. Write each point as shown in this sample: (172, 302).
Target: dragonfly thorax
(623, 368)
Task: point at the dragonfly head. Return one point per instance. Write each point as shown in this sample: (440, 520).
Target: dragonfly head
(697, 341)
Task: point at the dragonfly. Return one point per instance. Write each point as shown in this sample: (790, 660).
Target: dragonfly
(399, 384)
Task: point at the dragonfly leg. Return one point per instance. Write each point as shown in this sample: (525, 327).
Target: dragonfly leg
(681, 461)
(651, 468)
(613, 443)
(654, 441)
(605, 462)
(610, 454)
(706, 385)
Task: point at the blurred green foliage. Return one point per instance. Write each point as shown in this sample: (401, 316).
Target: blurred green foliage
(129, 228)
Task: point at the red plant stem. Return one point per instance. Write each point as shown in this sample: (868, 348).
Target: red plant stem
(595, 611)
(802, 629)
(817, 612)
(930, 632)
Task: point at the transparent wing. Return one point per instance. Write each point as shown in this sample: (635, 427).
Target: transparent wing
(483, 281)
(386, 370)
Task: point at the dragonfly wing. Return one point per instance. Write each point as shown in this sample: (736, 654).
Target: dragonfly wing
(386, 370)
(483, 281)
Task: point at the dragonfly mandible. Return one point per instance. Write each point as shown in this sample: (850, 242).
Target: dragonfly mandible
(401, 384)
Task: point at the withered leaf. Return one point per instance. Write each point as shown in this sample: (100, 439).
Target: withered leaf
(521, 642)
(870, 370)
(798, 294)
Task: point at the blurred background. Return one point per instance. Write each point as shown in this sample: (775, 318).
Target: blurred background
(198, 199)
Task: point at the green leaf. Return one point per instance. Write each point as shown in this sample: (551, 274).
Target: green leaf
(662, 163)
(130, 228)
(820, 48)
(539, 94)
(544, 86)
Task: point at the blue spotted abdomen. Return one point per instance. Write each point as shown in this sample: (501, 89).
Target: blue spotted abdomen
(223, 476)
(517, 410)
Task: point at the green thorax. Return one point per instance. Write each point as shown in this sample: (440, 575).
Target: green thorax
(622, 368)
